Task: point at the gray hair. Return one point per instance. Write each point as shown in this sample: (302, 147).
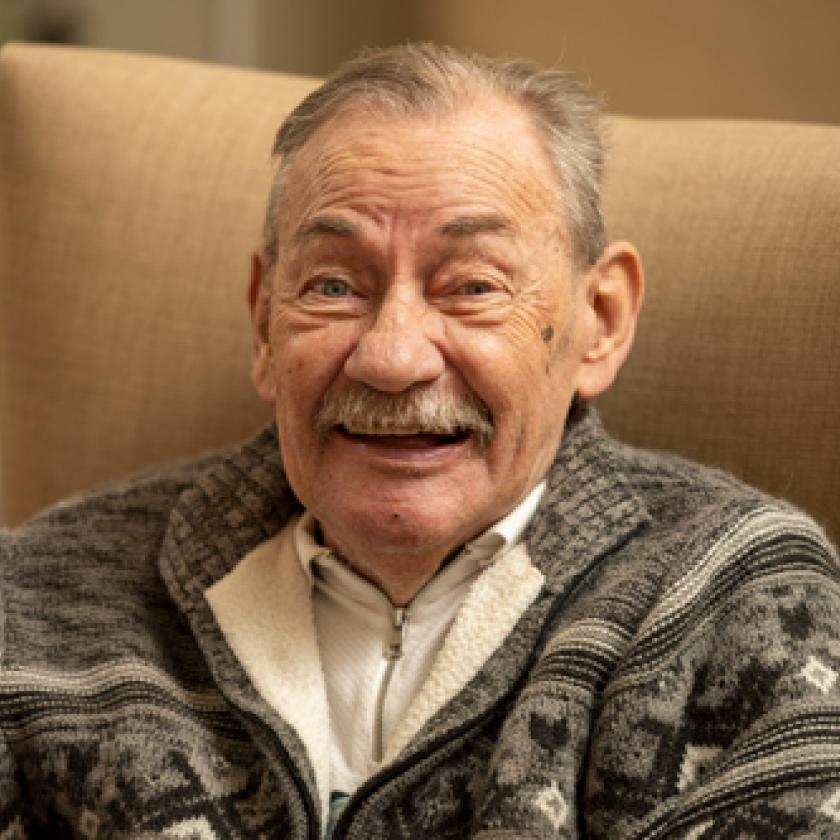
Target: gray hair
(428, 78)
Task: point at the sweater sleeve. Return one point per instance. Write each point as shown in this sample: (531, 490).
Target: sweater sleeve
(12, 816)
(725, 719)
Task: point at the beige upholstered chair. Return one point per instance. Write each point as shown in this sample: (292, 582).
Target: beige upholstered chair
(131, 194)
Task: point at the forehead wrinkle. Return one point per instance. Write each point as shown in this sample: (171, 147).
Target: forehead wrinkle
(451, 155)
(444, 167)
(495, 209)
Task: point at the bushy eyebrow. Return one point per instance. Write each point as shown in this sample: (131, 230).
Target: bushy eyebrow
(461, 226)
(474, 225)
(326, 225)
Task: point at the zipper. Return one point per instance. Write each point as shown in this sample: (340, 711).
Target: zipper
(384, 777)
(393, 653)
(309, 807)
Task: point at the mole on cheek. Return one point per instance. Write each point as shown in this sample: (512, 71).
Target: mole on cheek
(547, 333)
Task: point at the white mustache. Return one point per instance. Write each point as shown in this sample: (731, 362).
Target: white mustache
(363, 410)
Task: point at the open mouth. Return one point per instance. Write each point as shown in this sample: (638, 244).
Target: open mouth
(408, 438)
(420, 418)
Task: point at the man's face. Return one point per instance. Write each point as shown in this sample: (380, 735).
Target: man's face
(421, 255)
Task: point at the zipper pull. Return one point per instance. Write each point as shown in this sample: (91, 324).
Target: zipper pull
(394, 643)
(393, 651)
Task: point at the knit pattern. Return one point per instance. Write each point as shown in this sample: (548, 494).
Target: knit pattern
(677, 676)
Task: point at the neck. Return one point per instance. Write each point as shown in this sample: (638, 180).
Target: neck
(399, 575)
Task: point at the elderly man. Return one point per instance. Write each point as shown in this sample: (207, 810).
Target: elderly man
(447, 605)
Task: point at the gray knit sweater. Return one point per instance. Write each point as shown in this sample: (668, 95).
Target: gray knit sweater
(675, 676)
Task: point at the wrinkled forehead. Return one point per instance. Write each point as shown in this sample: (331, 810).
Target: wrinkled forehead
(485, 155)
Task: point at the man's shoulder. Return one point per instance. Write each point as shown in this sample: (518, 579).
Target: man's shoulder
(111, 527)
(701, 508)
(144, 498)
(596, 472)
(657, 511)
(667, 480)
(662, 498)
(83, 577)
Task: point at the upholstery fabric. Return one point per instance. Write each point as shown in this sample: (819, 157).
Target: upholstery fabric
(737, 359)
(131, 195)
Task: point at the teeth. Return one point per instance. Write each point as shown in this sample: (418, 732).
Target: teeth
(404, 431)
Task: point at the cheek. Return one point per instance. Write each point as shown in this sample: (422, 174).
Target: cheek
(518, 350)
(524, 378)
(308, 358)
(526, 330)
(504, 365)
(541, 312)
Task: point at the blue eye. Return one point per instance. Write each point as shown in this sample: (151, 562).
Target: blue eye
(332, 288)
(477, 288)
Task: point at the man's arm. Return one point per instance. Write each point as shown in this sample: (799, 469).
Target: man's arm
(12, 816)
(725, 720)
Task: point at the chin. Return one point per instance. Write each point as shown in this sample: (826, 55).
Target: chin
(389, 530)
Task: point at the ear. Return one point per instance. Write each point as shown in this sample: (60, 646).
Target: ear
(614, 288)
(259, 302)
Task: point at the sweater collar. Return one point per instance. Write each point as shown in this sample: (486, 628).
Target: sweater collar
(590, 505)
(239, 501)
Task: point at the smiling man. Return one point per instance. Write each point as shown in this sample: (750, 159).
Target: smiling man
(434, 599)
(427, 309)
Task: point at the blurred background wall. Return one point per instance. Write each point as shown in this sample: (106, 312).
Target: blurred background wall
(766, 59)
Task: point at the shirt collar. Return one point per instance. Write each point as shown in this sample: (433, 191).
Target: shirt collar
(481, 550)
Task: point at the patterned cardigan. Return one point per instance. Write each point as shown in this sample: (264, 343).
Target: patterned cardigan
(673, 674)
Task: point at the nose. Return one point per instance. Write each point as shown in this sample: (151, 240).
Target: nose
(398, 349)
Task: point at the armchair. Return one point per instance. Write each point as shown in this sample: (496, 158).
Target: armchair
(131, 195)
